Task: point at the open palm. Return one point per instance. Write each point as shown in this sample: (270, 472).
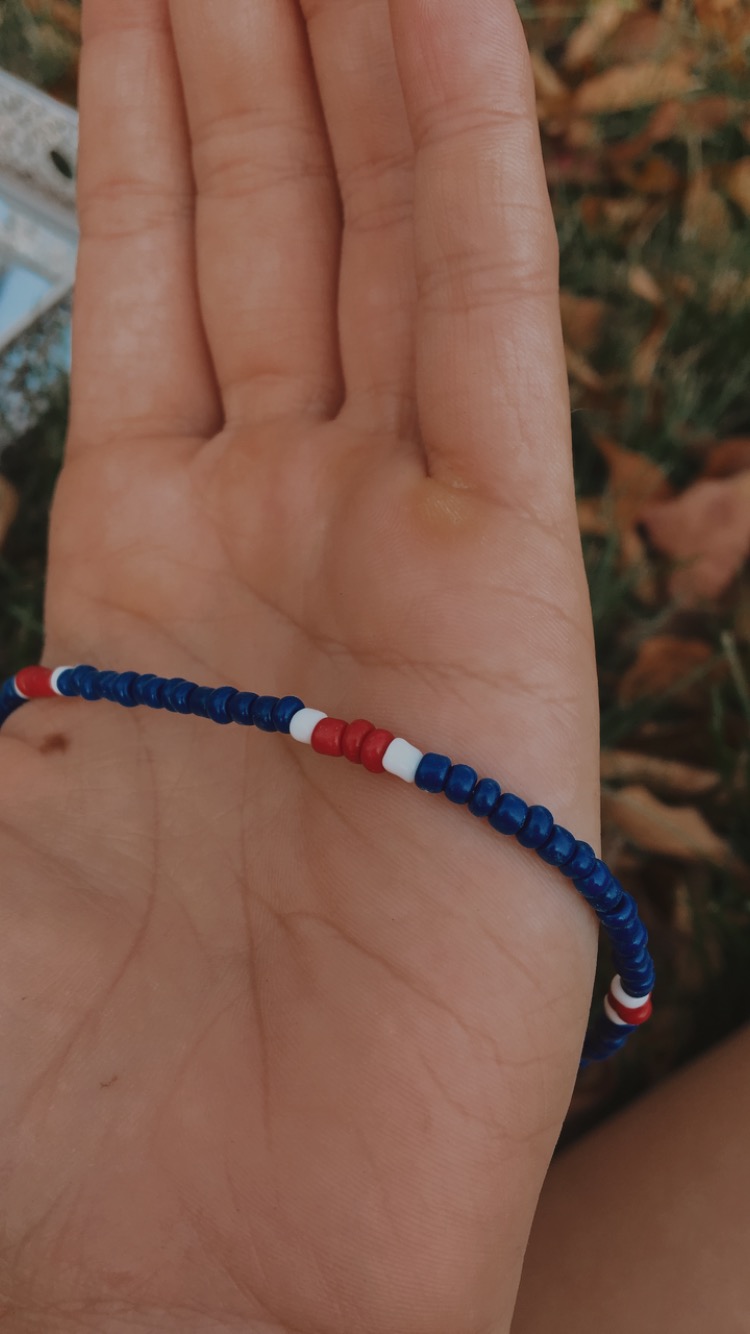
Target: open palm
(287, 1046)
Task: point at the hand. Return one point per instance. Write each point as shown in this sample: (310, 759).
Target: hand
(285, 1045)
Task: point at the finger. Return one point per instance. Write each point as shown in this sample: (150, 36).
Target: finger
(140, 359)
(491, 383)
(268, 219)
(355, 65)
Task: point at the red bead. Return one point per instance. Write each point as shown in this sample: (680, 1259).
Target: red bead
(636, 1016)
(34, 682)
(353, 738)
(327, 736)
(374, 747)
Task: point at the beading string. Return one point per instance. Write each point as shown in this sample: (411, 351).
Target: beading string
(628, 1002)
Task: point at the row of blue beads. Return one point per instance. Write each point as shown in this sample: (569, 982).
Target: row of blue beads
(223, 704)
(534, 827)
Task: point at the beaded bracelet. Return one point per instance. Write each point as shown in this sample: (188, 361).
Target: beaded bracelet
(628, 1002)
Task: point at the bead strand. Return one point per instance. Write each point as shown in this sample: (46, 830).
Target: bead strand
(628, 1002)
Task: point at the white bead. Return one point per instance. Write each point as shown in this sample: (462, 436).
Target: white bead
(402, 759)
(56, 676)
(303, 724)
(621, 995)
(612, 1014)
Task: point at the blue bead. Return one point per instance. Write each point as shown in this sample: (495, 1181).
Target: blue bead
(638, 989)
(636, 963)
(122, 690)
(66, 685)
(90, 685)
(148, 690)
(79, 677)
(460, 783)
(639, 937)
(263, 712)
(484, 798)
(600, 889)
(559, 847)
(218, 706)
(176, 694)
(621, 914)
(509, 814)
(581, 863)
(638, 982)
(106, 681)
(432, 772)
(200, 701)
(241, 707)
(536, 828)
(9, 700)
(285, 711)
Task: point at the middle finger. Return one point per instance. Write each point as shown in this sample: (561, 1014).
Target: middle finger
(355, 65)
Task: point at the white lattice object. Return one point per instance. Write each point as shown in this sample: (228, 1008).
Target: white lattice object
(38, 242)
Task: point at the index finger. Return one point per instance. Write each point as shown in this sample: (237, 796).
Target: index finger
(491, 381)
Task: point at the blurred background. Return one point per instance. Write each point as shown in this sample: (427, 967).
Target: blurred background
(644, 112)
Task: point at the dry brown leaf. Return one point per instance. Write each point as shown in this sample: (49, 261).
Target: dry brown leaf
(670, 831)
(647, 355)
(626, 212)
(643, 284)
(738, 184)
(671, 777)
(641, 36)
(727, 457)
(585, 41)
(582, 318)
(634, 481)
(60, 12)
(666, 663)
(706, 217)
(706, 530)
(592, 519)
(728, 18)
(550, 88)
(626, 86)
(580, 370)
(8, 507)
(657, 176)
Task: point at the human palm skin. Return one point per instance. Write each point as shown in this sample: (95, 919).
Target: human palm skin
(286, 1045)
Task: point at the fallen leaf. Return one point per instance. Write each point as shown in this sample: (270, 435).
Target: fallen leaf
(585, 41)
(669, 831)
(643, 284)
(625, 212)
(582, 318)
(60, 12)
(727, 18)
(640, 36)
(706, 530)
(667, 664)
(634, 480)
(727, 457)
(8, 507)
(646, 357)
(656, 177)
(626, 86)
(551, 91)
(738, 184)
(670, 777)
(592, 519)
(580, 370)
(706, 216)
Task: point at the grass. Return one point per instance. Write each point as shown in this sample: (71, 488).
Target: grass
(698, 914)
